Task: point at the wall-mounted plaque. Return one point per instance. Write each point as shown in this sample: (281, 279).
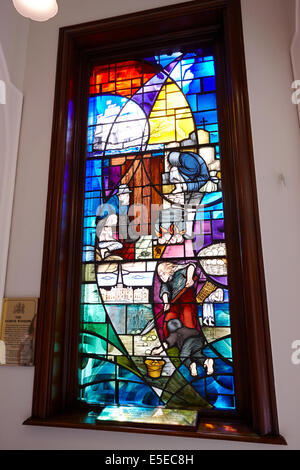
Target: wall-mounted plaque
(18, 328)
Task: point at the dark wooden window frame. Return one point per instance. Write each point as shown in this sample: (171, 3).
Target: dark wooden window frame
(215, 23)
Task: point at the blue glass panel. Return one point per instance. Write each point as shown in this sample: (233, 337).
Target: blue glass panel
(90, 136)
(93, 168)
(209, 84)
(185, 372)
(216, 207)
(189, 59)
(224, 402)
(226, 381)
(89, 235)
(96, 370)
(158, 154)
(186, 87)
(206, 215)
(210, 353)
(137, 394)
(102, 393)
(199, 385)
(218, 215)
(191, 86)
(214, 137)
(206, 102)
(165, 59)
(223, 347)
(212, 128)
(213, 387)
(210, 117)
(124, 373)
(192, 99)
(92, 194)
(93, 184)
(90, 207)
(88, 253)
(222, 316)
(89, 222)
(203, 69)
(210, 198)
(222, 367)
(98, 105)
(103, 370)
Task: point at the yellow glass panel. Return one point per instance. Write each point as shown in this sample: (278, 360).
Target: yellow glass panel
(158, 251)
(203, 137)
(176, 100)
(168, 188)
(160, 104)
(183, 128)
(181, 113)
(162, 130)
(157, 114)
(165, 129)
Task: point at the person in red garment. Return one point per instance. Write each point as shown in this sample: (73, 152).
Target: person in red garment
(177, 293)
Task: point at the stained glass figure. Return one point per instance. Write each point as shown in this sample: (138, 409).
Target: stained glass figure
(155, 340)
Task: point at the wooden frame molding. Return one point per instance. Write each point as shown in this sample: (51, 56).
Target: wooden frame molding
(218, 24)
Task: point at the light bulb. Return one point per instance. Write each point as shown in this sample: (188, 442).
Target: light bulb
(37, 10)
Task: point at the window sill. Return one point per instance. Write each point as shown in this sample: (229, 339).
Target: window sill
(206, 428)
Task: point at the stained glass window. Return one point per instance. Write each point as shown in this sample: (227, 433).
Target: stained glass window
(155, 336)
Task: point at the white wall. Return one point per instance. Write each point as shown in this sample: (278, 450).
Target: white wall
(276, 137)
(14, 36)
(12, 68)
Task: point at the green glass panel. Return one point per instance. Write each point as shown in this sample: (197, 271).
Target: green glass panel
(92, 313)
(89, 294)
(93, 345)
(128, 364)
(88, 273)
(98, 328)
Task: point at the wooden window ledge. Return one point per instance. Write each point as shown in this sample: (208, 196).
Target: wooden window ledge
(206, 428)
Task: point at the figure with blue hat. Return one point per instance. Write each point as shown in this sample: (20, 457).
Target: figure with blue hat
(190, 175)
(188, 171)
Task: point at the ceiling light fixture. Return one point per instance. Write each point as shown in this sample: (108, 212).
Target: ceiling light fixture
(37, 10)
